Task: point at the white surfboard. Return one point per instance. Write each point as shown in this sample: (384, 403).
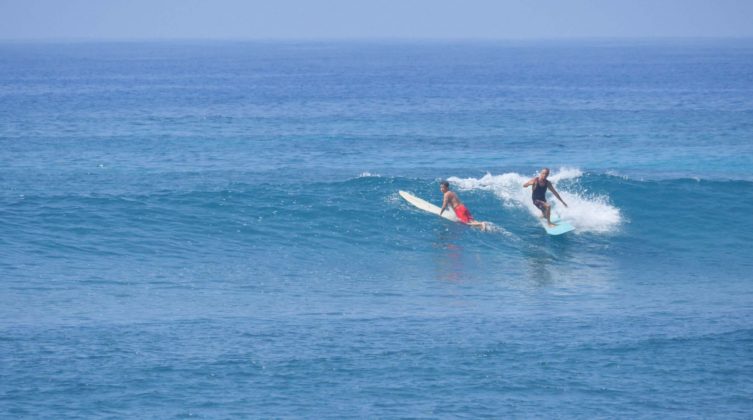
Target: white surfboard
(427, 206)
(562, 226)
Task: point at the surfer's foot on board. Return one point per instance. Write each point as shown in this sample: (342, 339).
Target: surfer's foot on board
(480, 225)
(551, 224)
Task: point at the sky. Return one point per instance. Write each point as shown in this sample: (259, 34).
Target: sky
(359, 19)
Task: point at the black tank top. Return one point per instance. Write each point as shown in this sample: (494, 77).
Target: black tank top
(539, 191)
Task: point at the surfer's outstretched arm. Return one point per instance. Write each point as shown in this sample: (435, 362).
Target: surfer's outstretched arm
(529, 183)
(444, 203)
(556, 194)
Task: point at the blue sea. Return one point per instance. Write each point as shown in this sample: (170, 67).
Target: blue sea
(213, 229)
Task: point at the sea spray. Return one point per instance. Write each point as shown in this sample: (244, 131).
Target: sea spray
(587, 212)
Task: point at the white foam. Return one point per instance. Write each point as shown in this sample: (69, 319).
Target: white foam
(616, 174)
(586, 212)
(492, 228)
(563, 174)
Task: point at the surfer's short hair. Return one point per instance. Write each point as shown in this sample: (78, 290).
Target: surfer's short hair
(546, 169)
(445, 184)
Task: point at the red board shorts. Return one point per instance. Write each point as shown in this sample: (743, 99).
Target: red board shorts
(463, 214)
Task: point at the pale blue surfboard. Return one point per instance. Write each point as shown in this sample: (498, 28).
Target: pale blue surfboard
(563, 226)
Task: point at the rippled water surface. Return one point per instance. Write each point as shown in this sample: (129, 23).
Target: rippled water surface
(215, 230)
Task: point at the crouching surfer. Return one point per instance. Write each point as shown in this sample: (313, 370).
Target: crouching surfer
(451, 199)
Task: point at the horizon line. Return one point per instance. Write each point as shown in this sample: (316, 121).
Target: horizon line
(380, 38)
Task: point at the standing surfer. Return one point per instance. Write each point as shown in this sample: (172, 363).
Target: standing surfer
(540, 185)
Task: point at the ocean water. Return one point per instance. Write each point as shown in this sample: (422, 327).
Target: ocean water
(212, 229)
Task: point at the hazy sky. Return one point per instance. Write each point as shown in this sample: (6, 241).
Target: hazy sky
(343, 19)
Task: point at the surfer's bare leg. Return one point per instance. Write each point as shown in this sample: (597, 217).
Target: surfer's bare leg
(548, 214)
(474, 223)
(546, 210)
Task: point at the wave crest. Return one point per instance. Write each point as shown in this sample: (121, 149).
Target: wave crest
(587, 212)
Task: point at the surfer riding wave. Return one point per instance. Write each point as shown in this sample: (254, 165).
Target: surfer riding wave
(538, 195)
(451, 199)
